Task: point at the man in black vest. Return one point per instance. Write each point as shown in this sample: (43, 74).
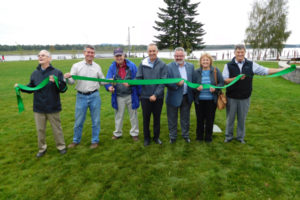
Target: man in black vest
(238, 95)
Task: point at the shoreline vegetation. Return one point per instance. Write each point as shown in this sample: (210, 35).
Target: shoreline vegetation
(103, 48)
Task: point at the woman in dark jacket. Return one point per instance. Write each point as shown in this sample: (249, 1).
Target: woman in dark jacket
(206, 99)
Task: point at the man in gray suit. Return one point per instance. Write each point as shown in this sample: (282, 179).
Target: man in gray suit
(179, 95)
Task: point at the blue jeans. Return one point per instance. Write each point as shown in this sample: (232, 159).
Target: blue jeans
(83, 102)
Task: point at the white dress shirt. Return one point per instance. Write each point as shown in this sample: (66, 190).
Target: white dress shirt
(183, 74)
(82, 68)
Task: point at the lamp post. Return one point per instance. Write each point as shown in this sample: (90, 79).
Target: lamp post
(129, 45)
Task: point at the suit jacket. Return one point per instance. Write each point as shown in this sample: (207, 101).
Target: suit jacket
(175, 93)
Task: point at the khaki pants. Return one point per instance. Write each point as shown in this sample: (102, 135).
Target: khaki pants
(124, 102)
(41, 121)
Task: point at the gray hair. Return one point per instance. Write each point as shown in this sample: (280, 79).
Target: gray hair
(239, 47)
(47, 53)
(89, 47)
(179, 49)
(152, 44)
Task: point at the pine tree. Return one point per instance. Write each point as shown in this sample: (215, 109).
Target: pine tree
(178, 27)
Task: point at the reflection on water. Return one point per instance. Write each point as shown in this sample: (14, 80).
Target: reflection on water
(54, 57)
(224, 54)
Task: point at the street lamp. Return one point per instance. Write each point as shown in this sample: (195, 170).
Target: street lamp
(129, 45)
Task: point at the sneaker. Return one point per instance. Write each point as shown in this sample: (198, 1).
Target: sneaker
(63, 151)
(41, 154)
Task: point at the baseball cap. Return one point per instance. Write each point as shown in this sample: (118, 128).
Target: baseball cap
(118, 51)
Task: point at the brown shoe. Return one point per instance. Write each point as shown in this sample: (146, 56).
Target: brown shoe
(115, 137)
(94, 146)
(72, 145)
(135, 138)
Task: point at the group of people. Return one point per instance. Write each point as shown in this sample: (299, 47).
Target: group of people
(179, 97)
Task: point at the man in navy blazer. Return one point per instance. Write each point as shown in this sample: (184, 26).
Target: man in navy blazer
(179, 95)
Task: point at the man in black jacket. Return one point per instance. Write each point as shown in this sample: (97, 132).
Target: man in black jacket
(46, 102)
(152, 96)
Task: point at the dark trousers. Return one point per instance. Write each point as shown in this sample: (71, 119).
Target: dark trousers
(205, 111)
(149, 107)
(172, 113)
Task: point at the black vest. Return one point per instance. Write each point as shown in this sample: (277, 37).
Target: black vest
(243, 88)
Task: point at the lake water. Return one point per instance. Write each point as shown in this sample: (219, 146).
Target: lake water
(224, 54)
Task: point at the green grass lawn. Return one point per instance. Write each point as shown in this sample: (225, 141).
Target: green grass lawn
(267, 167)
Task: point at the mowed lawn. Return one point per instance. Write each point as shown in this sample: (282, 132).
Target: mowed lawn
(267, 167)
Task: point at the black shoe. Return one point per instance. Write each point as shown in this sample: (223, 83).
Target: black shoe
(172, 141)
(158, 141)
(146, 142)
(208, 141)
(227, 140)
(40, 154)
(242, 141)
(187, 140)
(63, 151)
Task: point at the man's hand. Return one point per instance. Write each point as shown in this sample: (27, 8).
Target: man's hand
(200, 88)
(180, 83)
(67, 75)
(152, 98)
(243, 77)
(111, 89)
(126, 84)
(16, 85)
(212, 89)
(51, 78)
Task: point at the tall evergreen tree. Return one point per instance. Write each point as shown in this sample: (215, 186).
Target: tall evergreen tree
(178, 26)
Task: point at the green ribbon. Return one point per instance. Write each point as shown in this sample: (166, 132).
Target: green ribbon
(176, 80)
(38, 87)
(283, 72)
(156, 81)
(138, 82)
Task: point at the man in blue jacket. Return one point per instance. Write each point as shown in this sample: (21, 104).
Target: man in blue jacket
(123, 95)
(46, 102)
(179, 95)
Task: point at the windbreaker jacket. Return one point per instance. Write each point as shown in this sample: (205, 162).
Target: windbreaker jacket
(47, 99)
(135, 89)
(159, 71)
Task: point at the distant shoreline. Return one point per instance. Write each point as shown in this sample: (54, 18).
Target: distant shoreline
(110, 50)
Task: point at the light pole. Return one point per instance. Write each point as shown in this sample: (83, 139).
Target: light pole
(129, 45)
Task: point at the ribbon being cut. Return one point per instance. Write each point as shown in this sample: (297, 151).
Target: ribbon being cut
(136, 82)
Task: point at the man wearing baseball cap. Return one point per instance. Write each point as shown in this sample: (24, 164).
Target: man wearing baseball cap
(123, 94)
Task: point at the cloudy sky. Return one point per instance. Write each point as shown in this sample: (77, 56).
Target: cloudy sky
(107, 21)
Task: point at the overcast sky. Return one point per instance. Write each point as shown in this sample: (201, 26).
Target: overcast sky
(107, 21)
